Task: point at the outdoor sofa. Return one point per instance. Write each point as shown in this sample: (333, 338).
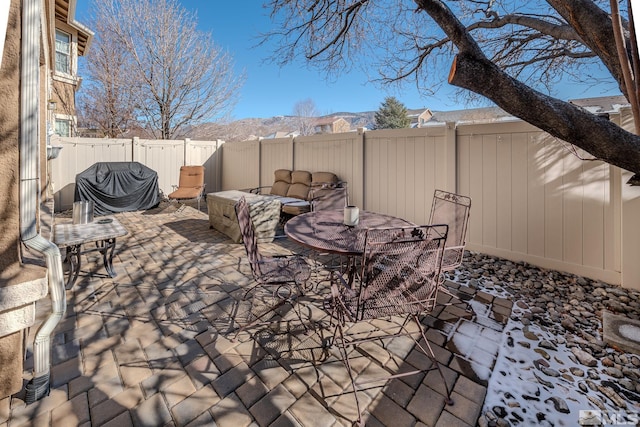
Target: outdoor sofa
(291, 194)
(294, 188)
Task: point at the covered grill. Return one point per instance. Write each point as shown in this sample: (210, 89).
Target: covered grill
(118, 187)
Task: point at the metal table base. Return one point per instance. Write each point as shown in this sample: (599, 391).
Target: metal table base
(103, 232)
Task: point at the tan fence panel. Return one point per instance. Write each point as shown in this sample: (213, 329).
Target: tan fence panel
(208, 154)
(535, 200)
(630, 218)
(77, 155)
(275, 154)
(240, 165)
(340, 153)
(164, 157)
(504, 172)
(402, 169)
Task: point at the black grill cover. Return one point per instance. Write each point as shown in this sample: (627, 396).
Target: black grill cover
(118, 187)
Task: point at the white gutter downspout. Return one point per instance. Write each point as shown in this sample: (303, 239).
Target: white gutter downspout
(30, 197)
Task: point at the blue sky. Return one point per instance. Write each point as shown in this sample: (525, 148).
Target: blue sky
(270, 90)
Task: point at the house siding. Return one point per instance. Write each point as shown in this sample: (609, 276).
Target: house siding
(22, 280)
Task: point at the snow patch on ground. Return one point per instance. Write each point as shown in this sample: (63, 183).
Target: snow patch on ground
(533, 397)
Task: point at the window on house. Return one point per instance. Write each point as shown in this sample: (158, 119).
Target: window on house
(63, 52)
(63, 127)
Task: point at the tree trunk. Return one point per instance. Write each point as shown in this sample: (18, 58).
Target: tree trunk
(596, 135)
(595, 28)
(472, 70)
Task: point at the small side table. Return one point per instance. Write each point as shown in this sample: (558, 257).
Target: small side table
(103, 231)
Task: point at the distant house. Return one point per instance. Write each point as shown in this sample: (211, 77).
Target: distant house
(40, 41)
(597, 105)
(282, 134)
(471, 115)
(420, 117)
(601, 105)
(331, 125)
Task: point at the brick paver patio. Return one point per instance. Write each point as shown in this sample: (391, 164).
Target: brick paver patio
(154, 346)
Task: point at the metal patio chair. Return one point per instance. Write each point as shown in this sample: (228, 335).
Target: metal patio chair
(328, 197)
(285, 275)
(451, 209)
(398, 281)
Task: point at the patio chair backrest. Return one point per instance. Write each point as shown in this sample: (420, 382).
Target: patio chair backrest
(328, 197)
(400, 270)
(453, 210)
(191, 177)
(248, 233)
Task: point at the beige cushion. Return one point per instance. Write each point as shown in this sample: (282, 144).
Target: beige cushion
(283, 175)
(191, 176)
(296, 208)
(281, 183)
(300, 182)
(301, 177)
(324, 178)
(190, 184)
(186, 193)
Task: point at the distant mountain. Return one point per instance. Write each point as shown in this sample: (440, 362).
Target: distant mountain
(252, 128)
(244, 129)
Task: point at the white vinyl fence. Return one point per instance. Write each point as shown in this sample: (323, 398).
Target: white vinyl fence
(164, 157)
(533, 199)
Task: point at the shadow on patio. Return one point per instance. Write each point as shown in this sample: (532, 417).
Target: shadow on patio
(154, 345)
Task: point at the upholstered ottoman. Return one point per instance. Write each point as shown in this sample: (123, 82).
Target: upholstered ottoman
(265, 214)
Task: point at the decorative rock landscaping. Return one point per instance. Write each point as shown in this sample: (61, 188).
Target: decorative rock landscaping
(554, 366)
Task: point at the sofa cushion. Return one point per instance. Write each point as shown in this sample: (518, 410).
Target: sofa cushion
(281, 183)
(318, 178)
(296, 208)
(300, 182)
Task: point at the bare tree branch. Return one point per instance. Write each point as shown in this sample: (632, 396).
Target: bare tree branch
(498, 52)
(177, 75)
(306, 114)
